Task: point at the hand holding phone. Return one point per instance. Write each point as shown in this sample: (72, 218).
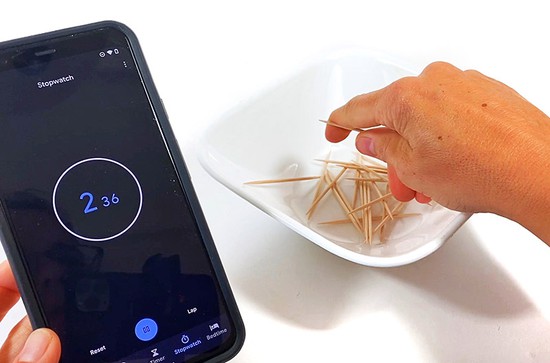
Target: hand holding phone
(23, 344)
(98, 214)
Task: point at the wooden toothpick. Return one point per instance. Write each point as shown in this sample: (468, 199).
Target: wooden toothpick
(368, 206)
(329, 186)
(358, 129)
(285, 180)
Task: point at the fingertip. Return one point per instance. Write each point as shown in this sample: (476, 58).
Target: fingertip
(334, 134)
(55, 346)
(53, 351)
(422, 198)
(356, 113)
(402, 194)
(400, 191)
(42, 346)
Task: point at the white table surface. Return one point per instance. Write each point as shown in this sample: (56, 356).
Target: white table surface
(483, 297)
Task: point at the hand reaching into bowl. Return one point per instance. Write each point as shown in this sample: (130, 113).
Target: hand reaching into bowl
(461, 138)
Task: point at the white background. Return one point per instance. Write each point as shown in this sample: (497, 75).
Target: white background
(483, 297)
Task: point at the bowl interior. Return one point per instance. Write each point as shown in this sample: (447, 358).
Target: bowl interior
(277, 135)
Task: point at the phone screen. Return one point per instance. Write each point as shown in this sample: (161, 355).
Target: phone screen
(99, 214)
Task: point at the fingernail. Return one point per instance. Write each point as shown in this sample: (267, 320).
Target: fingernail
(35, 347)
(365, 145)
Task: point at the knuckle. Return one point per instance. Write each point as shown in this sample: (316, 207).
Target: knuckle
(399, 91)
(473, 73)
(400, 97)
(353, 104)
(439, 68)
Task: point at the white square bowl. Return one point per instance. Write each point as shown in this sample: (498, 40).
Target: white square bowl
(276, 135)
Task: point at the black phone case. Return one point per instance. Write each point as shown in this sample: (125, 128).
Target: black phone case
(36, 315)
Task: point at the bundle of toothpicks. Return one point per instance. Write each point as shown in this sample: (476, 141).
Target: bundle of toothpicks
(369, 207)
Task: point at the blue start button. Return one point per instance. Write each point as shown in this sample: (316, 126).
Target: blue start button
(146, 329)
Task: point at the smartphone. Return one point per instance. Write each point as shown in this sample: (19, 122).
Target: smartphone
(98, 215)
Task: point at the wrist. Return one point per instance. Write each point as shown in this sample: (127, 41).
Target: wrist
(529, 204)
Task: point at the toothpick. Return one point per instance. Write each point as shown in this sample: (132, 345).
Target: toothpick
(376, 171)
(314, 204)
(364, 211)
(366, 182)
(379, 172)
(343, 127)
(390, 215)
(374, 219)
(356, 186)
(396, 209)
(384, 202)
(369, 216)
(373, 180)
(321, 179)
(369, 203)
(286, 180)
(342, 200)
(374, 163)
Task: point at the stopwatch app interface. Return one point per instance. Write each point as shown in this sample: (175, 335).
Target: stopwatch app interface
(101, 219)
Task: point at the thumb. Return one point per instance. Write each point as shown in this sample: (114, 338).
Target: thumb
(384, 144)
(42, 346)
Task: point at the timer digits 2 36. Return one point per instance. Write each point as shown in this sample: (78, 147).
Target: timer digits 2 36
(106, 201)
